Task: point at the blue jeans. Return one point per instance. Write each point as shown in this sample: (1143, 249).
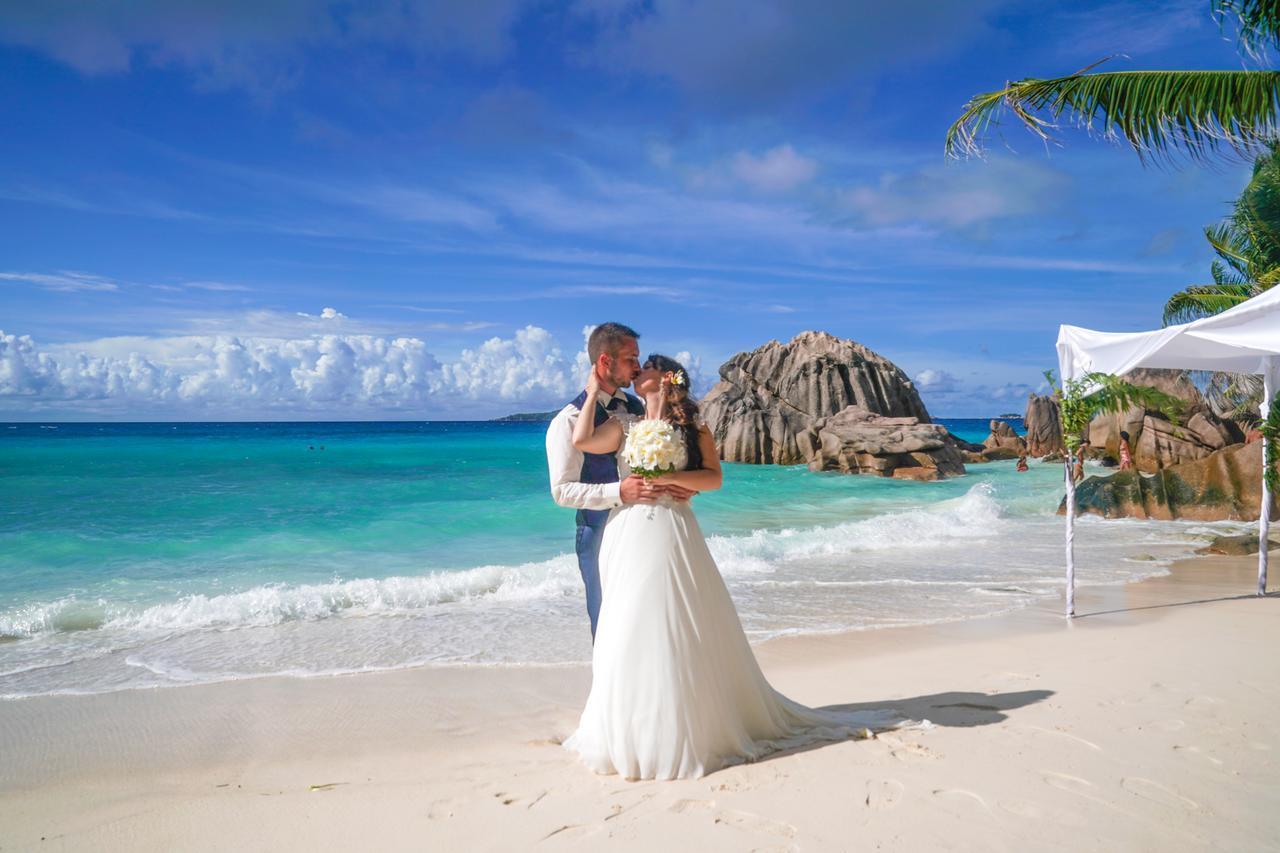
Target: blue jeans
(590, 532)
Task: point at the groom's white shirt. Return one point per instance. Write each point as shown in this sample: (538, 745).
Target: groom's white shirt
(565, 463)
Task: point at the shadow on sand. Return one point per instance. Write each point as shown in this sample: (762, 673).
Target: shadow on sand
(954, 709)
(1241, 597)
(957, 708)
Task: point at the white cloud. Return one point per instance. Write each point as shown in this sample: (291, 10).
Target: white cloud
(956, 195)
(755, 55)
(530, 366)
(700, 381)
(935, 380)
(246, 45)
(776, 170)
(220, 286)
(318, 375)
(64, 280)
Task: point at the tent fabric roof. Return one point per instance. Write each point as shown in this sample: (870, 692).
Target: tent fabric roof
(1245, 339)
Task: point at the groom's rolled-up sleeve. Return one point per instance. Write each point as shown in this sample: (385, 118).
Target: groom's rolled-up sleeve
(565, 464)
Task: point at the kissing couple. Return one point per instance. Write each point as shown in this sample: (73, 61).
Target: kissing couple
(676, 691)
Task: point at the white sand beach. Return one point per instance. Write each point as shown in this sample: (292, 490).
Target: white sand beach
(1147, 724)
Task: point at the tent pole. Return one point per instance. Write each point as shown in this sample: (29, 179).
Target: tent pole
(1264, 514)
(1071, 536)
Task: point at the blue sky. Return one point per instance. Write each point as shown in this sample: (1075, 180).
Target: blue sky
(307, 209)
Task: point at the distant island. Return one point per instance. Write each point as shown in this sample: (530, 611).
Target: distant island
(1010, 416)
(528, 417)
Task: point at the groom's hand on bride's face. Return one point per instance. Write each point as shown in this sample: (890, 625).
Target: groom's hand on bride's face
(636, 490)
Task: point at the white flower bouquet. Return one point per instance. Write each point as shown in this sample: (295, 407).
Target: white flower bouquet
(654, 448)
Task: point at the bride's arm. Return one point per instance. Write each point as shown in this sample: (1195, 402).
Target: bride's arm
(705, 479)
(589, 438)
(586, 437)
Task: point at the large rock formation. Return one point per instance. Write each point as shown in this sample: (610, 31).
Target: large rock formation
(1003, 442)
(769, 396)
(1154, 441)
(855, 441)
(1226, 484)
(1043, 424)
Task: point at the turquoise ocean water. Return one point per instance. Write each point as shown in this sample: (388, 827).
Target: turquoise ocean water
(147, 555)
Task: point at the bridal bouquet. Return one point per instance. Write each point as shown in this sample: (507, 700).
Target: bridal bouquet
(653, 448)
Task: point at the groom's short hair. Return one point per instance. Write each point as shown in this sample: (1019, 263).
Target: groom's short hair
(609, 338)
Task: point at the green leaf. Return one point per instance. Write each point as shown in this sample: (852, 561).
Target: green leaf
(1161, 114)
(1096, 394)
(1204, 300)
(1257, 22)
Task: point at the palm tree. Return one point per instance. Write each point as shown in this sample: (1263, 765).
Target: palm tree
(1161, 114)
(1247, 243)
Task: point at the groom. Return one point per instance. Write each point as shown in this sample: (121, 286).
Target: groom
(588, 482)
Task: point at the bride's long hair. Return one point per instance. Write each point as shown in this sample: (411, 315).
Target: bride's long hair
(678, 405)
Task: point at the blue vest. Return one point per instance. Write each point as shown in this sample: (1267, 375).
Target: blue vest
(601, 467)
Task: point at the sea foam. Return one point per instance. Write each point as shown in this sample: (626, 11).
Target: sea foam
(951, 559)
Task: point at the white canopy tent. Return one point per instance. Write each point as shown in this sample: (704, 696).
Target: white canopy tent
(1244, 339)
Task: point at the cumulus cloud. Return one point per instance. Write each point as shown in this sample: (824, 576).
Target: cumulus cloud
(776, 170)
(529, 366)
(700, 381)
(935, 381)
(323, 374)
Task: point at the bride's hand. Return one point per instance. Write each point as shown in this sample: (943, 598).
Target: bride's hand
(679, 493)
(593, 384)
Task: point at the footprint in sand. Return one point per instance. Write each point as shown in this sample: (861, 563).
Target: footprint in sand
(1157, 793)
(1067, 735)
(1195, 750)
(1022, 808)
(751, 778)
(755, 823)
(906, 750)
(728, 817)
(1080, 787)
(883, 793)
(961, 795)
(619, 808)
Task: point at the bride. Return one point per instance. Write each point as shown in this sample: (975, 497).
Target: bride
(676, 691)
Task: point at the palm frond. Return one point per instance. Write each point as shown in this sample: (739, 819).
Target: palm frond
(1222, 274)
(1161, 114)
(1257, 22)
(1114, 395)
(1230, 245)
(1234, 396)
(1204, 300)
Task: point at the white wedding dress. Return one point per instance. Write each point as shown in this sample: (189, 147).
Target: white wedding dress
(676, 691)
